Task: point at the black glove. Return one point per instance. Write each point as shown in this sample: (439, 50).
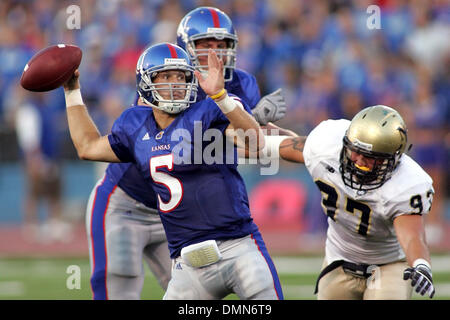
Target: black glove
(421, 279)
(270, 108)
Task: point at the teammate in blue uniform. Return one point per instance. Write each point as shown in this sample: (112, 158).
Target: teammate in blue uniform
(207, 28)
(121, 215)
(215, 246)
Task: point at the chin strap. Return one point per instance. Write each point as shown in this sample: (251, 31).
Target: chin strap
(169, 106)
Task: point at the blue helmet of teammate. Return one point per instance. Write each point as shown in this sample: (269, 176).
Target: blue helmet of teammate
(163, 57)
(204, 23)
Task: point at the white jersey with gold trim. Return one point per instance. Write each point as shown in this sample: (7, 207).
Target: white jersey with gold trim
(361, 223)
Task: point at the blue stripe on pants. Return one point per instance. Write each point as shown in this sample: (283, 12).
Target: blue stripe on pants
(98, 240)
(256, 236)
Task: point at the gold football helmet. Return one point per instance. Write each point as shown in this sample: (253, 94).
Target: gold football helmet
(378, 133)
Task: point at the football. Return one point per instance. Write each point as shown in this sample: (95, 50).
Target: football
(51, 67)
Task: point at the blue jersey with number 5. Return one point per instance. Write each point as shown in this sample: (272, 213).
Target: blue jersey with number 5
(200, 193)
(127, 176)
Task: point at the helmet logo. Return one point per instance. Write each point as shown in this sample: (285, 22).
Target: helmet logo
(362, 145)
(403, 132)
(182, 28)
(174, 61)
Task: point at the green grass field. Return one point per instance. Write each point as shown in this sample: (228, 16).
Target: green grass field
(45, 279)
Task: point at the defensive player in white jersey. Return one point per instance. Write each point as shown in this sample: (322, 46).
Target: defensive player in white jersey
(375, 197)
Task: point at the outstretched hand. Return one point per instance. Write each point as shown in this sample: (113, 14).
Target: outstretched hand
(214, 82)
(73, 82)
(270, 108)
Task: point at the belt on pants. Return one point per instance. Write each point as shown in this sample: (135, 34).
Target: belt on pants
(355, 269)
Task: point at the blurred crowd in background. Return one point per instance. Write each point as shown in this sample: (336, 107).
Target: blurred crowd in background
(322, 53)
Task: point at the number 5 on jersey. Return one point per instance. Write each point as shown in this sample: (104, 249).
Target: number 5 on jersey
(172, 184)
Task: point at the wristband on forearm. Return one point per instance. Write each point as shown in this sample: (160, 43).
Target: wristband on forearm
(227, 104)
(218, 95)
(271, 148)
(73, 98)
(421, 261)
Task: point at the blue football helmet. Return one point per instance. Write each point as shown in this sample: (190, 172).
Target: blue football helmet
(163, 57)
(204, 23)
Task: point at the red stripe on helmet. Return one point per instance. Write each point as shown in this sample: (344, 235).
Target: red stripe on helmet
(173, 51)
(215, 18)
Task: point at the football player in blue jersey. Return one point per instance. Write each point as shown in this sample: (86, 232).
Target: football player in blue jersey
(207, 28)
(122, 222)
(215, 247)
